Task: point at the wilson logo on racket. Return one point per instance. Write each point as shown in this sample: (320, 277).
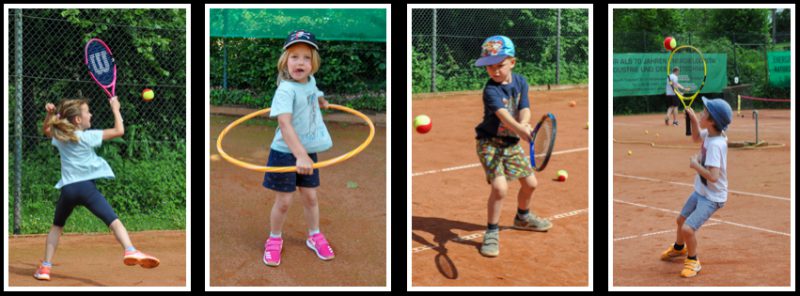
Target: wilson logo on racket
(99, 62)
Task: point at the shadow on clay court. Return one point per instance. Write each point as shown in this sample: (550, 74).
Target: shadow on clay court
(30, 269)
(442, 230)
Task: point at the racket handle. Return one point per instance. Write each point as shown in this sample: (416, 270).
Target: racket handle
(688, 126)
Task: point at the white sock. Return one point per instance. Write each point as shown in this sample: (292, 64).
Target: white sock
(313, 232)
(275, 235)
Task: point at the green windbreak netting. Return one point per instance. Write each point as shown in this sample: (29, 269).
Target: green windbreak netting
(327, 24)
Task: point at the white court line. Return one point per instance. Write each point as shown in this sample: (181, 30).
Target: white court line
(656, 233)
(712, 219)
(473, 236)
(692, 185)
(472, 165)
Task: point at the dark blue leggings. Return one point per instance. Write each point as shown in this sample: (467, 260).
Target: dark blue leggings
(83, 193)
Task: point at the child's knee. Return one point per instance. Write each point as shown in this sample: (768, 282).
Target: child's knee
(309, 197)
(529, 183)
(680, 220)
(282, 202)
(687, 230)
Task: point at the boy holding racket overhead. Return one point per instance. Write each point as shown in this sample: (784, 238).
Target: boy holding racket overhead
(710, 184)
(300, 136)
(505, 121)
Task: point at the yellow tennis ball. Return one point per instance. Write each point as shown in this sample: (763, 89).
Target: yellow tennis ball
(630, 152)
(646, 132)
(148, 95)
(656, 135)
(587, 125)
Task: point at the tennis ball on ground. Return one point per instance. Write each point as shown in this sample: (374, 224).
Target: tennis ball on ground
(646, 132)
(587, 125)
(572, 103)
(656, 135)
(562, 175)
(148, 95)
(670, 43)
(423, 124)
(630, 153)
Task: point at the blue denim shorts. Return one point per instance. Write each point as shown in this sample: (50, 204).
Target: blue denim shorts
(698, 209)
(288, 182)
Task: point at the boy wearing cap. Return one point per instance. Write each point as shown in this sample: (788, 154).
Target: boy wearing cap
(710, 184)
(506, 120)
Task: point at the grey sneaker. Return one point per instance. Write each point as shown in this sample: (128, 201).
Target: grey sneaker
(491, 244)
(532, 223)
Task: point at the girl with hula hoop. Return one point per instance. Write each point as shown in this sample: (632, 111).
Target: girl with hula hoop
(301, 134)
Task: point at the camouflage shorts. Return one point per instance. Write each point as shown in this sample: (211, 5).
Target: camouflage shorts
(500, 159)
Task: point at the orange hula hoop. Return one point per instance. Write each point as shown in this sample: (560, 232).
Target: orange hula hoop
(289, 169)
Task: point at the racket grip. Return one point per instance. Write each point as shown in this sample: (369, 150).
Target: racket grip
(688, 126)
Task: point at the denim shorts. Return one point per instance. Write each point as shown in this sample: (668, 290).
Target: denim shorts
(698, 209)
(288, 182)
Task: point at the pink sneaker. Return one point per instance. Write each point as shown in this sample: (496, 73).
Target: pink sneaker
(42, 273)
(319, 245)
(137, 257)
(272, 251)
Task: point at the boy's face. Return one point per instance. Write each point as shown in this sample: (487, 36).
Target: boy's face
(501, 72)
(299, 62)
(705, 120)
(84, 121)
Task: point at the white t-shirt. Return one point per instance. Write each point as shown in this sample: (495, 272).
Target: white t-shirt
(674, 79)
(78, 160)
(715, 150)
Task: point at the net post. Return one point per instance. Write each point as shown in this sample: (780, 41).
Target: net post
(18, 124)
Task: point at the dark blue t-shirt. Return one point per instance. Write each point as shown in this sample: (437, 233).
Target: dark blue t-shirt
(512, 97)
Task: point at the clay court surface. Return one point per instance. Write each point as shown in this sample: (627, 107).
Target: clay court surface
(352, 219)
(96, 260)
(449, 196)
(746, 243)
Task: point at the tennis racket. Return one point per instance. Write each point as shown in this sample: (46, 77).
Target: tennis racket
(101, 65)
(543, 139)
(693, 72)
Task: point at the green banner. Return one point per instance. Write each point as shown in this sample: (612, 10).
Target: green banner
(780, 67)
(644, 74)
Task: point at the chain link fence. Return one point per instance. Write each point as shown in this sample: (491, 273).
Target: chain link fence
(46, 65)
(552, 46)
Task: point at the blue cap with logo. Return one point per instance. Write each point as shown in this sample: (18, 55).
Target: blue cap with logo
(494, 50)
(301, 36)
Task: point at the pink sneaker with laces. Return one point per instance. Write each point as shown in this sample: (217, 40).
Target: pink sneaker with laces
(272, 251)
(319, 245)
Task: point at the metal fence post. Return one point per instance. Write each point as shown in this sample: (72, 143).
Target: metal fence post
(558, 48)
(18, 124)
(433, 53)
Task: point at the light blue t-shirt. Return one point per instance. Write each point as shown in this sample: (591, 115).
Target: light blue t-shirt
(78, 160)
(301, 100)
(714, 153)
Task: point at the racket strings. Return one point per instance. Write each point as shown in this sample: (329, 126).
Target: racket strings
(541, 142)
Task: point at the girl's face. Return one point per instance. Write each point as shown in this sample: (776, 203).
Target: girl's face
(501, 72)
(84, 121)
(299, 62)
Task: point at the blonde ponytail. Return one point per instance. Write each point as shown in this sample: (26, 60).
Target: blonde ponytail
(62, 125)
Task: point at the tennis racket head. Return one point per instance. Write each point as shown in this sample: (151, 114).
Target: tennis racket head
(693, 73)
(102, 67)
(542, 142)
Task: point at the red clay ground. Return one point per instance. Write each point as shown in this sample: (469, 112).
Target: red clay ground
(353, 220)
(747, 244)
(449, 207)
(96, 260)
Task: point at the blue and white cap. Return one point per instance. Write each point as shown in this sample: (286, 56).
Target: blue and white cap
(494, 50)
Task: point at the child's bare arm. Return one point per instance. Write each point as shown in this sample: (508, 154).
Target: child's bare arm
(522, 130)
(695, 125)
(711, 173)
(304, 162)
(119, 128)
(51, 110)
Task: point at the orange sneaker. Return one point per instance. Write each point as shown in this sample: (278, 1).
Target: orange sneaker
(42, 273)
(690, 268)
(137, 257)
(672, 253)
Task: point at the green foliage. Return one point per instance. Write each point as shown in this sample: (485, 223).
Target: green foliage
(347, 70)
